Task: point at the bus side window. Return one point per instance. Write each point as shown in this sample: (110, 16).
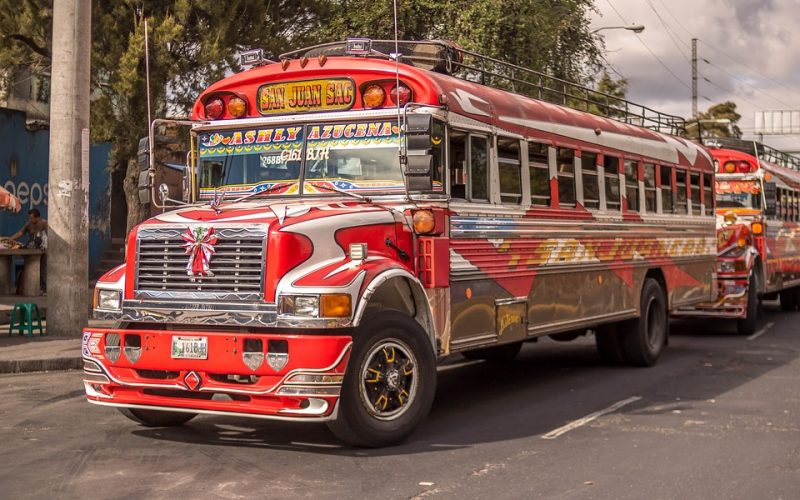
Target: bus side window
(779, 201)
(695, 189)
(591, 187)
(708, 194)
(566, 176)
(632, 185)
(611, 166)
(680, 185)
(540, 174)
(649, 187)
(458, 164)
(478, 168)
(667, 193)
(509, 166)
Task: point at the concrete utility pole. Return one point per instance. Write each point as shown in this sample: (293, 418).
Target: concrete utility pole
(68, 209)
(694, 78)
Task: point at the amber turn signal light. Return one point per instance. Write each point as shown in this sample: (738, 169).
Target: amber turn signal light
(424, 222)
(336, 305)
(757, 228)
(237, 107)
(374, 95)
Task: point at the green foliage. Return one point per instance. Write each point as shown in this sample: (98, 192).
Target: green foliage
(718, 112)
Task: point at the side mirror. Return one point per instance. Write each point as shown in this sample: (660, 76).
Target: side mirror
(143, 155)
(419, 160)
(770, 199)
(163, 193)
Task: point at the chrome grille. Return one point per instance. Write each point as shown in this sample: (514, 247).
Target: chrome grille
(237, 264)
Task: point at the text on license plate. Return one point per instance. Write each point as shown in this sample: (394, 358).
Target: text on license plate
(189, 347)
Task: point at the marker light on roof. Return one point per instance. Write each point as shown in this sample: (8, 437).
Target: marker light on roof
(374, 95)
(401, 93)
(236, 107)
(214, 108)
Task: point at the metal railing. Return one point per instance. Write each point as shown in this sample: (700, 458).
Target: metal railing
(446, 57)
(757, 149)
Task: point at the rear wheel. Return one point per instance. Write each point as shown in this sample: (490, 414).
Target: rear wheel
(609, 344)
(789, 299)
(156, 418)
(644, 337)
(389, 384)
(748, 324)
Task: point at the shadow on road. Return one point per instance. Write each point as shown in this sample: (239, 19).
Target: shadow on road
(548, 385)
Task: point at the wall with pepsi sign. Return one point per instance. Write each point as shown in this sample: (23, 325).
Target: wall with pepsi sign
(24, 160)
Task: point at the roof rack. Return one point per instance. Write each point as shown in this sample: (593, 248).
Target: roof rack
(448, 58)
(757, 149)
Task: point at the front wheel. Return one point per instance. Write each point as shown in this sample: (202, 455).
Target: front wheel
(156, 418)
(644, 337)
(748, 324)
(389, 384)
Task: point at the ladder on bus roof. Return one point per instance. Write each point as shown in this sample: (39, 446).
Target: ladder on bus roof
(448, 58)
(757, 149)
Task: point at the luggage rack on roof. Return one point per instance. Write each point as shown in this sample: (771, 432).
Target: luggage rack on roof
(757, 149)
(448, 58)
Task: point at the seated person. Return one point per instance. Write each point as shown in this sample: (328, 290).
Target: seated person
(36, 229)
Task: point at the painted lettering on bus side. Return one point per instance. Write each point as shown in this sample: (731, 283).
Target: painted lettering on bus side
(305, 96)
(339, 93)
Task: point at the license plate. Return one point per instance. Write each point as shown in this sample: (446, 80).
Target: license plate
(189, 347)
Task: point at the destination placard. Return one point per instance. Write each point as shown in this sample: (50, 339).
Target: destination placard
(306, 96)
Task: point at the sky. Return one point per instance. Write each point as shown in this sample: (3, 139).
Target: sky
(748, 53)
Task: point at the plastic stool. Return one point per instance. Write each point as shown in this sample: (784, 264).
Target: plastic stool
(22, 316)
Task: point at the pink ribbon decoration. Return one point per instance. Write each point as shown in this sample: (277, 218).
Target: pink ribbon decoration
(200, 247)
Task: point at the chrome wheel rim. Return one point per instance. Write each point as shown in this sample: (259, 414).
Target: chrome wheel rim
(388, 379)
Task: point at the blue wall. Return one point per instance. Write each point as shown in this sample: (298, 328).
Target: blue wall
(30, 150)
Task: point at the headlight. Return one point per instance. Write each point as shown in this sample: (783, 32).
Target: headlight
(734, 252)
(299, 305)
(725, 266)
(109, 300)
(333, 305)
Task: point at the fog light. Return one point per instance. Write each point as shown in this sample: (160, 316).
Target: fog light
(133, 347)
(108, 300)
(277, 354)
(253, 353)
(112, 347)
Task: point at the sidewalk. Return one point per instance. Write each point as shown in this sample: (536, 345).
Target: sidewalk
(20, 353)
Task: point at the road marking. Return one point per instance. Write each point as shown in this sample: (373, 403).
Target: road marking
(588, 418)
(761, 332)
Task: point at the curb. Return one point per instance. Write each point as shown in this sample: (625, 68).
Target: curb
(41, 365)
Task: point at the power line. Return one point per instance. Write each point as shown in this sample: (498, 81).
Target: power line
(668, 30)
(649, 50)
(730, 57)
(746, 84)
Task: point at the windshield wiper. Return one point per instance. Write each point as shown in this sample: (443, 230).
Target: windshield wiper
(334, 189)
(263, 191)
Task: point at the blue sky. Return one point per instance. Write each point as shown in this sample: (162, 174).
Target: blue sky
(749, 53)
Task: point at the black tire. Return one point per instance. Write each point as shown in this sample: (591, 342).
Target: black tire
(394, 350)
(568, 336)
(609, 344)
(789, 299)
(505, 352)
(643, 338)
(748, 324)
(157, 418)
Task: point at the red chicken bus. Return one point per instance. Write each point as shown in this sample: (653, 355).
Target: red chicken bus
(758, 210)
(358, 212)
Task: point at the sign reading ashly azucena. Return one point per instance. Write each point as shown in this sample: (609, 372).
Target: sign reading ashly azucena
(306, 95)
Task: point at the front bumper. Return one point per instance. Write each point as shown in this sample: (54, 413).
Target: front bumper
(732, 302)
(306, 387)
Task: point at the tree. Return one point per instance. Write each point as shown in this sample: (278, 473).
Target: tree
(721, 120)
(609, 96)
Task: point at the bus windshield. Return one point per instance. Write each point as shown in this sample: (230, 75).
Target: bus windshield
(361, 157)
(738, 194)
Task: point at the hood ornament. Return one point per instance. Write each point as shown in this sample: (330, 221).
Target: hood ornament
(199, 245)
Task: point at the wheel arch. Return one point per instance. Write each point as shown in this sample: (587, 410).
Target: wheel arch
(399, 290)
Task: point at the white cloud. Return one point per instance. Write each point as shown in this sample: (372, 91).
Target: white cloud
(752, 49)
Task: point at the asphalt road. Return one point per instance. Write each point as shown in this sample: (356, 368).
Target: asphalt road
(716, 418)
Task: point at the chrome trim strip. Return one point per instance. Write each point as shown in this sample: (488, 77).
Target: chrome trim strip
(215, 412)
(549, 328)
